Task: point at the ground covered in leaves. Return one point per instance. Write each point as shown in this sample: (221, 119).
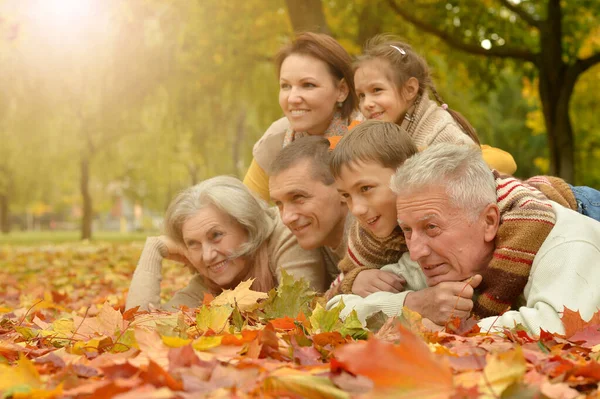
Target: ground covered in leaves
(64, 334)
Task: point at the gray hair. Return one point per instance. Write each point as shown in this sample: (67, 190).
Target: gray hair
(228, 195)
(460, 169)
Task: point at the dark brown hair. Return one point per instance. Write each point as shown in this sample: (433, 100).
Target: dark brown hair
(327, 49)
(403, 63)
(373, 141)
(313, 148)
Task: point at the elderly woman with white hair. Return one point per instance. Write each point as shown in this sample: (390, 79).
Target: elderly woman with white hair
(227, 236)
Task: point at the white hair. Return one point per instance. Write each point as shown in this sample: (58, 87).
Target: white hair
(230, 196)
(460, 169)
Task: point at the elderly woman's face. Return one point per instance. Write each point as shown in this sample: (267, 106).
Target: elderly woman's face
(210, 237)
(308, 93)
(443, 239)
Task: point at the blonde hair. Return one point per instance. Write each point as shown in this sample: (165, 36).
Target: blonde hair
(230, 196)
(459, 169)
(404, 63)
(383, 142)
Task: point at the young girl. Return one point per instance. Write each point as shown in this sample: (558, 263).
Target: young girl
(394, 83)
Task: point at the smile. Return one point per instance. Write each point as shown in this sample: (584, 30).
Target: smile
(298, 112)
(376, 115)
(217, 267)
(300, 228)
(372, 220)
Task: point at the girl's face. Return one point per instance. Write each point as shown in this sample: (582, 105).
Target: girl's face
(211, 237)
(379, 98)
(308, 93)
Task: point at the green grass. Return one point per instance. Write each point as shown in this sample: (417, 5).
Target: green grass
(56, 237)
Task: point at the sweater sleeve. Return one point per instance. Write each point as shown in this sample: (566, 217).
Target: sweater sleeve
(499, 159)
(286, 254)
(561, 278)
(144, 289)
(257, 180)
(386, 302)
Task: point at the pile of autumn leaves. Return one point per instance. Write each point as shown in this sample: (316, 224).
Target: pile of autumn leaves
(63, 334)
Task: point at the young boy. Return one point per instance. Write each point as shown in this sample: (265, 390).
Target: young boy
(363, 163)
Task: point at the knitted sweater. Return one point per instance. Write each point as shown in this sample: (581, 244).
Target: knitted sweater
(430, 124)
(283, 251)
(526, 220)
(565, 273)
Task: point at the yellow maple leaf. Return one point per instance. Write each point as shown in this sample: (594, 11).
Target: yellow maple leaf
(501, 371)
(175, 342)
(242, 296)
(215, 318)
(24, 374)
(205, 343)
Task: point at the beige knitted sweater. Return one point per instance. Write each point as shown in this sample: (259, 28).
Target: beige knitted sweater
(284, 253)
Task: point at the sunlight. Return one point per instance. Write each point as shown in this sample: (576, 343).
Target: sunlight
(63, 13)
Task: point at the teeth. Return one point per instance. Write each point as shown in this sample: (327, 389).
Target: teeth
(218, 265)
(297, 112)
(372, 220)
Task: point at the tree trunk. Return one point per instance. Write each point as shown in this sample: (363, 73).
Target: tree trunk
(307, 16)
(86, 221)
(555, 92)
(4, 214)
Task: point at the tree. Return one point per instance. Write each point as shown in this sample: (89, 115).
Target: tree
(547, 37)
(307, 16)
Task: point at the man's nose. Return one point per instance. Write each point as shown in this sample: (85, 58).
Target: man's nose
(288, 216)
(417, 247)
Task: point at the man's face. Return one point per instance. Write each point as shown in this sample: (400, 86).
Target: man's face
(313, 211)
(444, 239)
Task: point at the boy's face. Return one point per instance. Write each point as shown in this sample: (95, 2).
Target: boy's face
(365, 186)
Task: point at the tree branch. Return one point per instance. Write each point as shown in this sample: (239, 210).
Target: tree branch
(453, 41)
(525, 16)
(589, 62)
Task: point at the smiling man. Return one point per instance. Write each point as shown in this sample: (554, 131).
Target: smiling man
(452, 210)
(302, 187)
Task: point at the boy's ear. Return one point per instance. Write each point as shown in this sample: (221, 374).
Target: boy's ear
(411, 89)
(344, 90)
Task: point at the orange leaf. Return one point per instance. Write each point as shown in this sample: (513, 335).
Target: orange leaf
(573, 322)
(283, 323)
(208, 298)
(247, 336)
(407, 367)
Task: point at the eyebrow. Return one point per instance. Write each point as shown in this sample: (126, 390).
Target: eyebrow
(426, 217)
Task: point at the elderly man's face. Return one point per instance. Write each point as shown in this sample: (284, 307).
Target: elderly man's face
(313, 211)
(445, 240)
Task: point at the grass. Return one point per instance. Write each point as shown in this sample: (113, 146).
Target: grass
(56, 237)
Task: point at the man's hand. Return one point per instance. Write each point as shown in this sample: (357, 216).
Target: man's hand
(444, 301)
(177, 252)
(374, 280)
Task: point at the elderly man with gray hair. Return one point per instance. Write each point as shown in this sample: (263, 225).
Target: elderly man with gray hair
(450, 207)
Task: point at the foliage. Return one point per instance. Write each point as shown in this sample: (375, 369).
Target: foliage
(66, 335)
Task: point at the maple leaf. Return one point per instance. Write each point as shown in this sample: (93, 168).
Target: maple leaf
(289, 299)
(408, 368)
(501, 371)
(22, 378)
(241, 296)
(353, 327)
(304, 386)
(323, 320)
(215, 318)
(573, 322)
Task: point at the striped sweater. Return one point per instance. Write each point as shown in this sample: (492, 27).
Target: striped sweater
(526, 220)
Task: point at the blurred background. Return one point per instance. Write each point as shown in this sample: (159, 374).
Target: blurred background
(109, 107)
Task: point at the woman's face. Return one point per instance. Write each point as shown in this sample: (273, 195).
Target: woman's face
(308, 93)
(211, 236)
